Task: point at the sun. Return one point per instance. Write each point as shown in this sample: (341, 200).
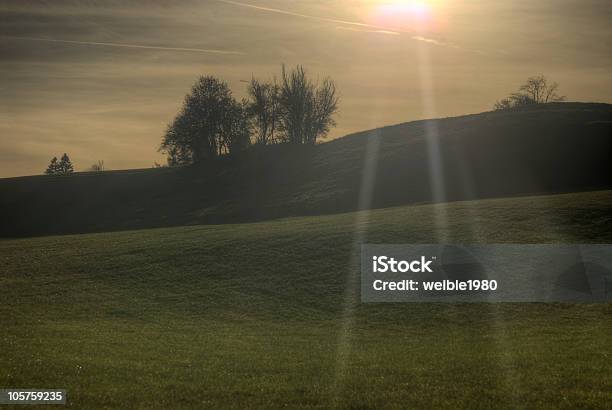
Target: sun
(407, 15)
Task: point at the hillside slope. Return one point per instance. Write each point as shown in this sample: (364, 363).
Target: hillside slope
(544, 149)
(263, 315)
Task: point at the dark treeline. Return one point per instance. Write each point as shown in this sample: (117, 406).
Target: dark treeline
(293, 110)
(535, 90)
(212, 123)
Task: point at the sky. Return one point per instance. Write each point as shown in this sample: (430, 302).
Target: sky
(100, 80)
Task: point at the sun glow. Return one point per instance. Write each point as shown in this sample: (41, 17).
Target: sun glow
(408, 15)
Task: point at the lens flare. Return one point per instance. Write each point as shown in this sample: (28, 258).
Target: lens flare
(408, 15)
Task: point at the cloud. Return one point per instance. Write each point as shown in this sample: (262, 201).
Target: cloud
(124, 45)
(389, 32)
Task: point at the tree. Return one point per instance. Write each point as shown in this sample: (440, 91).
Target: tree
(512, 101)
(65, 165)
(236, 128)
(325, 106)
(306, 109)
(539, 91)
(536, 90)
(53, 167)
(177, 144)
(61, 167)
(212, 123)
(263, 107)
(203, 128)
(97, 167)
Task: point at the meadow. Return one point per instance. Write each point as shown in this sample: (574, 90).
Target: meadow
(267, 315)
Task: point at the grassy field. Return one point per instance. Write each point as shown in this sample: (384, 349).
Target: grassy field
(268, 315)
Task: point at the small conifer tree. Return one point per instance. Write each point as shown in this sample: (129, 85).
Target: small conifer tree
(53, 167)
(65, 165)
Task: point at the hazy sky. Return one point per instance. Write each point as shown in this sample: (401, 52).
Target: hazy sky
(100, 80)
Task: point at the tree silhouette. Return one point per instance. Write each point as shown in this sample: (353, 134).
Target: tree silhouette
(540, 91)
(236, 131)
(53, 167)
(212, 123)
(307, 109)
(62, 167)
(65, 165)
(264, 108)
(207, 125)
(535, 90)
(97, 167)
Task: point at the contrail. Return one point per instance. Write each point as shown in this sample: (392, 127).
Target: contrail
(394, 33)
(445, 44)
(431, 41)
(124, 45)
(370, 28)
(307, 16)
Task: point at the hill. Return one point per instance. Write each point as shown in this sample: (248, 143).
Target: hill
(543, 149)
(266, 315)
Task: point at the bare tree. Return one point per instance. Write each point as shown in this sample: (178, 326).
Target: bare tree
(264, 109)
(307, 109)
(540, 91)
(325, 105)
(296, 97)
(536, 90)
(97, 167)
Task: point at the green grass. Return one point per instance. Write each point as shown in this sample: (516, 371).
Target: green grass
(268, 315)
